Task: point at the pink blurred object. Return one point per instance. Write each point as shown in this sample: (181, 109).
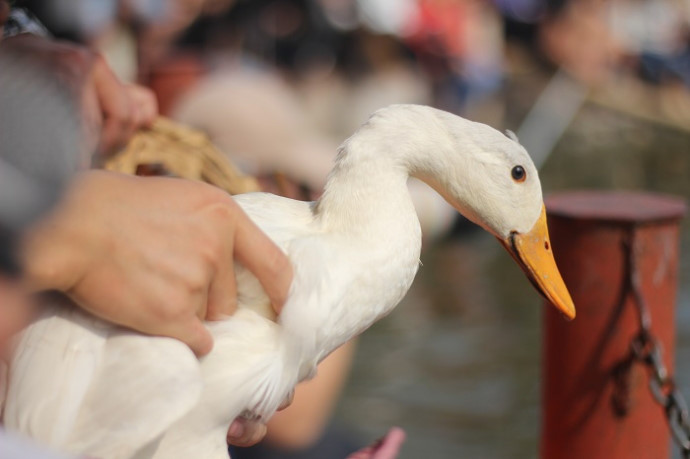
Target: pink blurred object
(386, 447)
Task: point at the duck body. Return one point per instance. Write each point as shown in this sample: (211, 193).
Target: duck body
(268, 359)
(83, 386)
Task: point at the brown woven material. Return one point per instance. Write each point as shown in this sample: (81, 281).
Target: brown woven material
(169, 148)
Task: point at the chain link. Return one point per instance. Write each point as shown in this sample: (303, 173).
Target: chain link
(648, 350)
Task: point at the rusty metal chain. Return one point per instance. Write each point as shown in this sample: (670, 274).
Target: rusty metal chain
(648, 350)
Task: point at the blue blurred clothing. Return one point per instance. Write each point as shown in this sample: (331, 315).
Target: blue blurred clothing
(657, 68)
(22, 21)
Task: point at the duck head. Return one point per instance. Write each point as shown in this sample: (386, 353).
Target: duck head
(489, 178)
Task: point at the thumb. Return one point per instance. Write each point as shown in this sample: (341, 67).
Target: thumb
(196, 336)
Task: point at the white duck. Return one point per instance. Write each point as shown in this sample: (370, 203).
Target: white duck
(83, 386)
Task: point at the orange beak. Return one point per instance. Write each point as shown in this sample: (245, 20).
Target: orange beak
(532, 251)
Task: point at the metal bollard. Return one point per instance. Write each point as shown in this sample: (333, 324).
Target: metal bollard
(618, 254)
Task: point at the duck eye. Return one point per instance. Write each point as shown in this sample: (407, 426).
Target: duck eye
(519, 174)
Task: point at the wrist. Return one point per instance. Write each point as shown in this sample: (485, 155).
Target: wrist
(44, 259)
(52, 252)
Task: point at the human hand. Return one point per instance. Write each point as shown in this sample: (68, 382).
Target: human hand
(111, 111)
(245, 432)
(153, 254)
(387, 447)
(116, 110)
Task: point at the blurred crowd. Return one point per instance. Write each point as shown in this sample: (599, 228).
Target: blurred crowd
(368, 53)
(320, 67)
(277, 84)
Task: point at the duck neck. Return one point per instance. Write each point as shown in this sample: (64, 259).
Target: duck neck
(367, 190)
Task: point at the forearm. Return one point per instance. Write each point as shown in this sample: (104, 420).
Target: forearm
(53, 251)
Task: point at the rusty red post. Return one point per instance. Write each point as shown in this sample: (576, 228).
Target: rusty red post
(596, 401)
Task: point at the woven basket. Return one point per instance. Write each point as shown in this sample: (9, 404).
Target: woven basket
(168, 148)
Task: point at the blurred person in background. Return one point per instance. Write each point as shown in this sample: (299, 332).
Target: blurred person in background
(592, 39)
